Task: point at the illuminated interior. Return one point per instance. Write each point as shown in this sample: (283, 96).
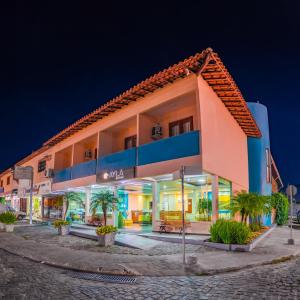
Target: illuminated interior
(197, 199)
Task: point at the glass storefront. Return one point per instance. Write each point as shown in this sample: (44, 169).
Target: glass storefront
(224, 199)
(76, 209)
(53, 207)
(197, 197)
(135, 205)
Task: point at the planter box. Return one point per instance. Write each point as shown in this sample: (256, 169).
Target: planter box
(9, 227)
(107, 239)
(64, 230)
(2, 226)
(240, 248)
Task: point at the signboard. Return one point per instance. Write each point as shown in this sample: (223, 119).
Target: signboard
(23, 172)
(44, 188)
(291, 190)
(22, 192)
(24, 183)
(115, 175)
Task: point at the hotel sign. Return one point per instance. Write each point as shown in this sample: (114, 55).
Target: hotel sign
(22, 172)
(115, 175)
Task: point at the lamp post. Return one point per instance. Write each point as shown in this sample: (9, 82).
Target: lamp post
(291, 191)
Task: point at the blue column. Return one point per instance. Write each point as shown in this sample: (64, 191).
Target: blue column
(257, 157)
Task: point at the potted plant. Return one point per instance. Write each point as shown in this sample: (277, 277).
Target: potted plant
(62, 226)
(106, 235)
(8, 219)
(2, 225)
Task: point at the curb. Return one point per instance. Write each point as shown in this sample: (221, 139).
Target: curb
(265, 263)
(62, 267)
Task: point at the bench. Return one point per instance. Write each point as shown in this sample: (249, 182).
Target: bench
(168, 226)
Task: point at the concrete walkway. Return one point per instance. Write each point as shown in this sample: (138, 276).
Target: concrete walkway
(271, 250)
(122, 239)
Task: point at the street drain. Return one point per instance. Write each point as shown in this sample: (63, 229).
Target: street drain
(103, 277)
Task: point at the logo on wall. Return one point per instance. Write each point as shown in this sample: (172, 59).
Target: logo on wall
(114, 175)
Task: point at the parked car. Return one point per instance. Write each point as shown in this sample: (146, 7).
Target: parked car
(20, 215)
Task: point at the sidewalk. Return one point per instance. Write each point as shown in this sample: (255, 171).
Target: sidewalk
(273, 249)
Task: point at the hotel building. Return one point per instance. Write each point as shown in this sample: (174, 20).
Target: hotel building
(190, 115)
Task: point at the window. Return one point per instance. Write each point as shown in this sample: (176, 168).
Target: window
(1, 183)
(96, 153)
(8, 180)
(130, 142)
(268, 162)
(41, 166)
(181, 126)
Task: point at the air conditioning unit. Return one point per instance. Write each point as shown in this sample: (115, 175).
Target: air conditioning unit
(88, 154)
(49, 173)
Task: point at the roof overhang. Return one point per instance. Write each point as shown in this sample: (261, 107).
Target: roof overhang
(207, 64)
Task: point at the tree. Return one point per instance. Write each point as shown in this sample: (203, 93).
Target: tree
(281, 204)
(71, 196)
(104, 200)
(250, 205)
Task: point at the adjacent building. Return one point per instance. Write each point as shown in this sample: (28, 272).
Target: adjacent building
(191, 114)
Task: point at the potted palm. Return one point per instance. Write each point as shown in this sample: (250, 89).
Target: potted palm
(106, 235)
(62, 226)
(106, 201)
(8, 219)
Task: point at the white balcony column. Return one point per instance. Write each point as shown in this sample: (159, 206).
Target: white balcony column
(88, 196)
(155, 204)
(215, 197)
(115, 212)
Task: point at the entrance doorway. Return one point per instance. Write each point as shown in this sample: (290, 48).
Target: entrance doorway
(135, 207)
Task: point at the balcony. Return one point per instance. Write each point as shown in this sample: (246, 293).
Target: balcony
(62, 175)
(78, 171)
(183, 145)
(84, 169)
(119, 160)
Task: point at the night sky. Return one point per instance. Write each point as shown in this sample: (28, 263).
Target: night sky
(61, 60)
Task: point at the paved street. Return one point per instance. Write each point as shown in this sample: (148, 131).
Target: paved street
(23, 279)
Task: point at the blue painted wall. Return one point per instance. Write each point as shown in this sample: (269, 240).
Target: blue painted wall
(257, 154)
(182, 145)
(84, 169)
(119, 160)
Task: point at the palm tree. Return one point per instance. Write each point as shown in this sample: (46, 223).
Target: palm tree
(104, 200)
(68, 197)
(250, 205)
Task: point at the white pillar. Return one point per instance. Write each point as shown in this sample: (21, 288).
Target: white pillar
(155, 204)
(88, 195)
(215, 197)
(115, 213)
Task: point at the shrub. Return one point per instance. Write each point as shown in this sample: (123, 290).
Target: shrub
(59, 223)
(105, 229)
(8, 218)
(120, 220)
(241, 233)
(229, 232)
(281, 203)
(255, 227)
(214, 232)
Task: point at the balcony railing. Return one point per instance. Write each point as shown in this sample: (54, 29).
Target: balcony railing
(84, 169)
(119, 160)
(183, 145)
(62, 175)
(78, 171)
